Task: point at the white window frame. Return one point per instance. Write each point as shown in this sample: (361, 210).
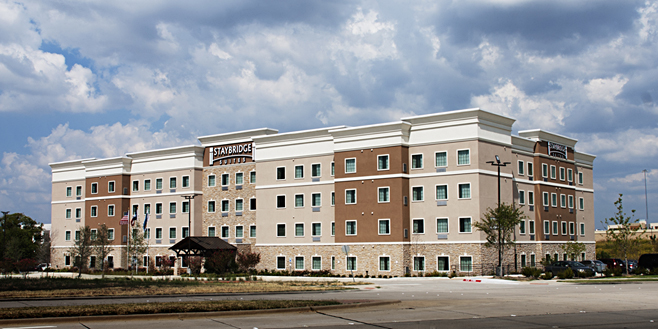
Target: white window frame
(221, 179)
(303, 201)
(94, 186)
(437, 263)
(356, 262)
(332, 169)
(182, 181)
(531, 198)
(113, 210)
(554, 200)
(545, 199)
(422, 192)
(81, 190)
(67, 236)
(470, 190)
(414, 263)
(285, 230)
(228, 205)
(570, 201)
(175, 207)
(555, 227)
(312, 229)
(236, 231)
(522, 227)
(447, 225)
(175, 232)
(563, 200)
(422, 161)
(355, 227)
(447, 159)
(544, 170)
(460, 263)
(333, 228)
(531, 227)
(569, 175)
(158, 229)
(470, 225)
(113, 184)
(469, 157)
(303, 263)
(380, 263)
(520, 168)
(564, 227)
(436, 187)
(277, 201)
(239, 173)
(78, 212)
(319, 172)
(530, 169)
(563, 174)
(313, 199)
(284, 262)
(351, 189)
(522, 197)
(92, 210)
(581, 203)
(236, 204)
(388, 226)
(303, 230)
(350, 172)
(214, 208)
(553, 172)
(252, 231)
(276, 173)
(69, 191)
(580, 178)
(572, 228)
(161, 180)
(214, 231)
(388, 194)
(295, 171)
(221, 232)
(388, 162)
(252, 177)
(547, 224)
(175, 180)
(422, 221)
(250, 208)
(312, 263)
(582, 228)
(110, 233)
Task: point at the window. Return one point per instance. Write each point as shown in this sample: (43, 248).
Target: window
(299, 229)
(316, 229)
(69, 191)
(92, 261)
(172, 207)
(465, 225)
(147, 185)
(252, 204)
(581, 203)
(281, 230)
(466, 264)
(299, 263)
(333, 262)
(67, 236)
(544, 170)
(252, 177)
(553, 172)
(521, 167)
(441, 159)
(580, 178)
(545, 199)
(77, 235)
(350, 166)
(442, 192)
(299, 171)
(299, 200)
(333, 198)
(110, 187)
(333, 228)
(281, 262)
(78, 212)
(384, 227)
(239, 231)
(68, 213)
(225, 179)
(417, 193)
(582, 228)
(570, 201)
(351, 263)
(523, 262)
(211, 231)
(225, 232)
(252, 231)
(350, 196)
(147, 233)
(333, 168)
(172, 182)
(418, 226)
(382, 162)
(316, 263)
(384, 263)
(186, 181)
(316, 170)
(350, 227)
(94, 211)
(521, 197)
(158, 233)
(416, 161)
(531, 198)
(463, 157)
(561, 173)
(239, 205)
(78, 191)
(419, 263)
(211, 206)
(316, 200)
(564, 228)
(94, 188)
(383, 194)
(554, 199)
(465, 191)
(225, 206)
(532, 260)
(547, 227)
(186, 207)
(280, 201)
(110, 234)
(530, 169)
(572, 228)
(281, 173)
(555, 228)
(185, 232)
(441, 225)
(110, 210)
(443, 263)
(531, 226)
(172, 232)
(570, 175)
(563, 201)
(158, 183)
(522, 227)
(67, 260)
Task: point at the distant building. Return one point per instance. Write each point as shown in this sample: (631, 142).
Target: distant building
(403, 196)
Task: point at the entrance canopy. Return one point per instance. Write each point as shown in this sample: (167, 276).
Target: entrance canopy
(202, 246)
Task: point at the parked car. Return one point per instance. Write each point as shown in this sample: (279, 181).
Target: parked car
(613, 263)
(42, 267)
(632, 265)
(648, 261)
(597, 265)
(560, 266)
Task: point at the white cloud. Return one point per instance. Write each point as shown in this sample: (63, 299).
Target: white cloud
(627, 146)
(635, 177)
(605, 89)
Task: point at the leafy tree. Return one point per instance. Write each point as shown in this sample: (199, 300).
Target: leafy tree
(102, 246)
(195, 264)
(20, 238)
(221, 262)
(248, 260)
(499, 224)
(82, 249)
(137, 246)
(573, 249)
(624, 232)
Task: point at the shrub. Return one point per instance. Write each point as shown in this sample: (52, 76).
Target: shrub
(531, 272)
(641, 271)
(566, 274)
(547, 276)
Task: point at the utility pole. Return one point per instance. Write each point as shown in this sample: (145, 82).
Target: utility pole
(4, 230)
(646, 200)
(499, 164)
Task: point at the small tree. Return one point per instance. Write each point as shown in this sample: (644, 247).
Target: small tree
(82, 248)
(499, 224)
(102, 246)
(573, 248)
(195, 264)
(624, 233)
(220, 262)
(248, 260)
(137, 246)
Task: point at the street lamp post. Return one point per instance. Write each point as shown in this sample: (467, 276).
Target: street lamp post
(646, 200)
(499, 164)
(189, 199)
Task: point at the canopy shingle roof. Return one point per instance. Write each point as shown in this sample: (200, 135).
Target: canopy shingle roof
(201, 246)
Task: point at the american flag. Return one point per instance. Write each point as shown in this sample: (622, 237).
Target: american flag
(124, 220)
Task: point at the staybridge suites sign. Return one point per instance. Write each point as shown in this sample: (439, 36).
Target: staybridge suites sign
(230, 154)
(557, 150)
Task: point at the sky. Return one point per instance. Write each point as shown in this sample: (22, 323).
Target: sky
(81, 79)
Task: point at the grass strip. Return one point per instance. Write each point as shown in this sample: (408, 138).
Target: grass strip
(155, 308)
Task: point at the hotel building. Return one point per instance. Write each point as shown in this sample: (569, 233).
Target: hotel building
(401, 196)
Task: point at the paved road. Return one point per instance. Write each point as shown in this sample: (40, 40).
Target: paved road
(436, 303)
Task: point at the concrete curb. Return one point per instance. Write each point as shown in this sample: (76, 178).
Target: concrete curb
(192, 315)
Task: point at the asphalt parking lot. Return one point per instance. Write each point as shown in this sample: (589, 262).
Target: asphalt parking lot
(424, 303)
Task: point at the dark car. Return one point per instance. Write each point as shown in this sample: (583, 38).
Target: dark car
(560, 266)
(597, 265)
(613, 263)
(632, 265)
(648, 261)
